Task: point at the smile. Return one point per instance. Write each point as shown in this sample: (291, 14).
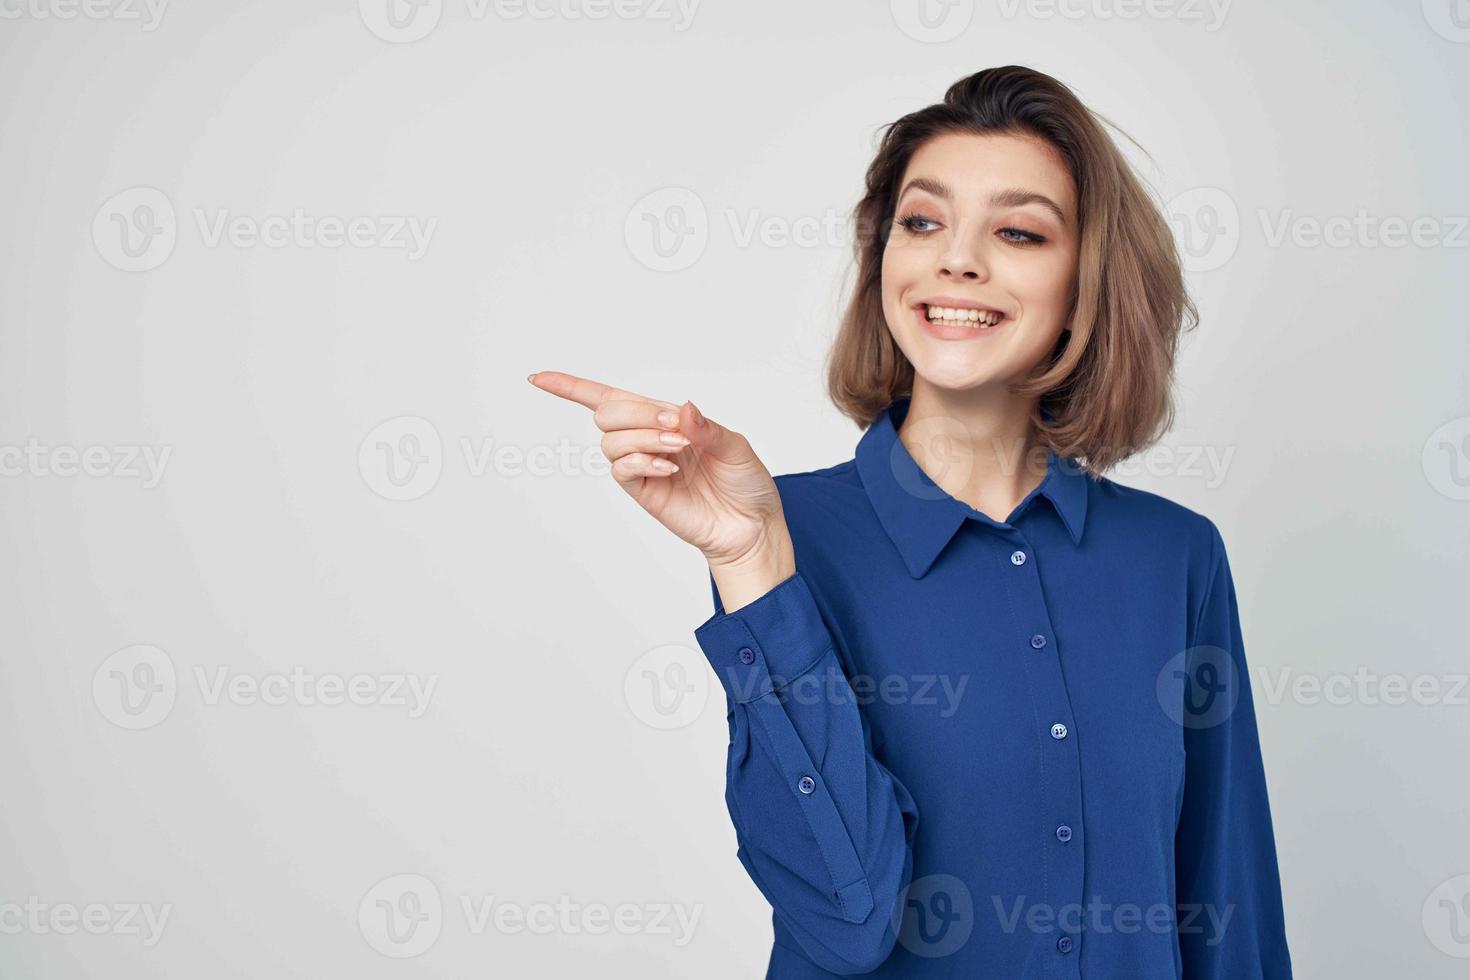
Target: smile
(959, 323)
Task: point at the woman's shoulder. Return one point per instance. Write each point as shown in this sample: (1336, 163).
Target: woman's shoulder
(832, 478)
(1158, 518)
(831, 492)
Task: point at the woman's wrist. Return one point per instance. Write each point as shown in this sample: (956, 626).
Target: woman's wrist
(745, 579)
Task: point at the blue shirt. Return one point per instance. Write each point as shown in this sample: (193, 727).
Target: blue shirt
(962, 747)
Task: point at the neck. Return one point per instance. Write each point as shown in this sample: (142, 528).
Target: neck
(978, 446)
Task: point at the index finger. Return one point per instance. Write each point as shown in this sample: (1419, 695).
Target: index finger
(587, 392)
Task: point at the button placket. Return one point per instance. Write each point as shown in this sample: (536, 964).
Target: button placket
(1061, 790)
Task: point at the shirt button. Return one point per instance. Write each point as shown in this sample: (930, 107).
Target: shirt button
(1018, 558)
(1064, 833)
(1059, 730)
(747, 655)
(1065, 944)
(806, 784)
(1038, 641)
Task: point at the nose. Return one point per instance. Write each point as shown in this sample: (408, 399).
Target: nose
(961, 259)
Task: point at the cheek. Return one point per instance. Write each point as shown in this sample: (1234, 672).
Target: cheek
(905, 258)
(894, 281)
(1044, 285)
(903, 267)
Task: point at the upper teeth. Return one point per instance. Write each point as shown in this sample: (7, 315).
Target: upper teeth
(987, 317)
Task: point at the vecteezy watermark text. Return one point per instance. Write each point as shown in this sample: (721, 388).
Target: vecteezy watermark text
(124, 462)
(138, 686)
(1097, 916)
(403, 915)
(148, 12)
(831, 686)
(1364, 686)
(136, 230)
(41, 918)
(407, 21)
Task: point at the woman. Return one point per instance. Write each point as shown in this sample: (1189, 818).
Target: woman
(989, 711)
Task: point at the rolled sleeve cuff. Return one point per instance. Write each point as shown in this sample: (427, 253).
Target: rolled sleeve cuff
(767, 643)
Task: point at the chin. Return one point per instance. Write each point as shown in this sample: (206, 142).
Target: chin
(949, 375)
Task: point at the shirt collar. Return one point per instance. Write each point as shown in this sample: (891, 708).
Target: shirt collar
(920, 517)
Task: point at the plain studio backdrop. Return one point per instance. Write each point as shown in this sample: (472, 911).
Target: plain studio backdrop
(331, 649)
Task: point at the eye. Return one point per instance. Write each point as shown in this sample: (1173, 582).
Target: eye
(1023, 238)
(910, 222)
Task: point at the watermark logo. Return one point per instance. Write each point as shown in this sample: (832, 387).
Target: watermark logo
(131, 462)
(39, 918)
(568, 917)
(1364, 687)
(1206, 463)
(1099, 917)
(667, 687)
(1446, 459)
(828, 684)
(934, 916)
(389, 232)
(148, 13)
(402, 458)
(667, 230)
(305, 689)
(1199, 687)
(932, 21)
(1363, 229)
(136, 687)
(1208, 229)
(136, 230)
(940, 445)
(406, 21)
(1446, 917)
(827, 230)
(1206, 226)
(1211, 13)
(401, 916)
(401, 21)
(1450, 19)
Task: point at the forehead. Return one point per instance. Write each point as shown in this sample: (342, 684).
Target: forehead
(975, 165)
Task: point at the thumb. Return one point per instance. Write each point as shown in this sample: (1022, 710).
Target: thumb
(709, 436)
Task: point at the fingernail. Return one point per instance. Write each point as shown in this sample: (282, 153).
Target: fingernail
(698, 418)
(532, 377)
(673, 439)
(668, 418)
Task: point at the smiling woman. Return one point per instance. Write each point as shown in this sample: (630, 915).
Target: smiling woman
(1090, 800)
(1010, 196)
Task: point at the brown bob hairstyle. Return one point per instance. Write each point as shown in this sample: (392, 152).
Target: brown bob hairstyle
(1104, 393)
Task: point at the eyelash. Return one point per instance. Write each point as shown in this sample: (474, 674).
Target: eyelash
(1028, 239)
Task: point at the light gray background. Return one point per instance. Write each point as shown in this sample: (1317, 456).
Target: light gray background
(1330, 381)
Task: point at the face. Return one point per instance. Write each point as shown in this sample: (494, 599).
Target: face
(977, 234)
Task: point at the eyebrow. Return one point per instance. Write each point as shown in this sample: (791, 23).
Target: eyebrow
(1010, 197)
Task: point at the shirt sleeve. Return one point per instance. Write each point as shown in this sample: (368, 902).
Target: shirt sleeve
(823, 829)
(1230, 920)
